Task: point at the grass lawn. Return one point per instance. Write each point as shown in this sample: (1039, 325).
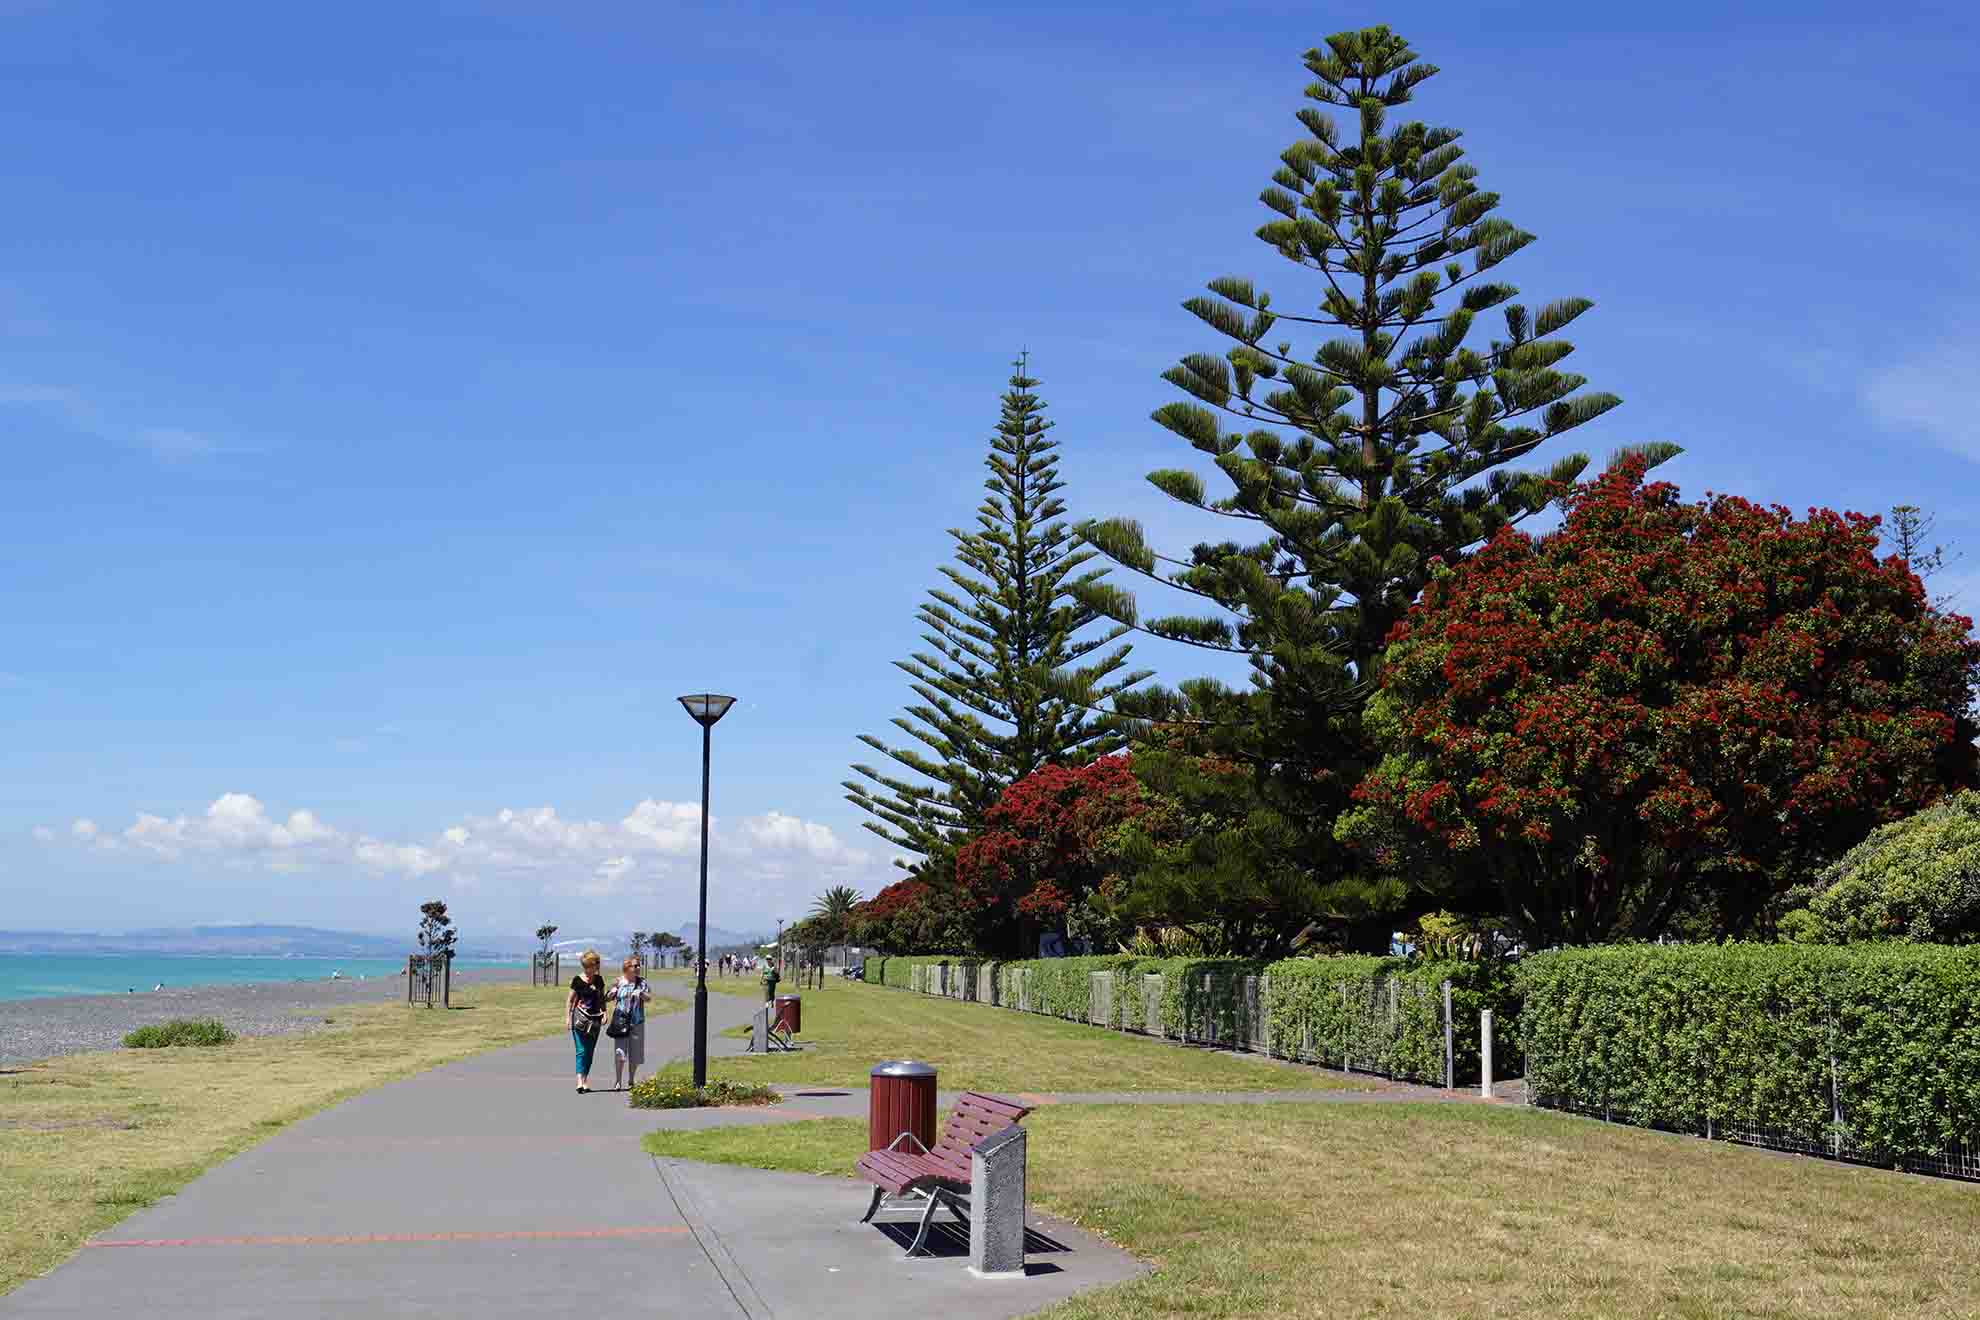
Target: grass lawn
(88, 1138)
(849, 1027)
(1444, 1210)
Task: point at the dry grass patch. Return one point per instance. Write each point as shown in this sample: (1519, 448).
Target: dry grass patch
(87, 1138)
(1456, 1210)
(849, 1027)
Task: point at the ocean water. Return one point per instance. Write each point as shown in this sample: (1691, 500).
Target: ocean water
(46, 976)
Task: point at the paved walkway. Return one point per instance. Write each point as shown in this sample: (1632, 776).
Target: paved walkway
(488, 1188)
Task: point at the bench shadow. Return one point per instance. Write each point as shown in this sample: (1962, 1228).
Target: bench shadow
(948, 1240)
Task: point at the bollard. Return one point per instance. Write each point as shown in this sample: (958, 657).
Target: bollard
(996, 1209)
(1485, 1053)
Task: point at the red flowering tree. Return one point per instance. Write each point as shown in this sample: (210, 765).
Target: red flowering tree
(1042, 849)
(917, 915)
(1660, 708)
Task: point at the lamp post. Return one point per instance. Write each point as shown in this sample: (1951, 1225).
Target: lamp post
(704, 708)
(780, 946)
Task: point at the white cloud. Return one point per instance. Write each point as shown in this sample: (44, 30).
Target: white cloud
(1936, 394)
(770, 859)
(43, 834)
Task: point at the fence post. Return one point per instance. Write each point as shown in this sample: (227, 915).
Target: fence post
(1485, 1053)
(1347, 1061)
(1835, 1091)
(1450, 1042)
(1265, 1013)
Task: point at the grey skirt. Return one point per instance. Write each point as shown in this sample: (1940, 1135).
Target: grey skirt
(631, 1047)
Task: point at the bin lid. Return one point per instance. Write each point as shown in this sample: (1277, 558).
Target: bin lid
(903, 1068)
(787, 999)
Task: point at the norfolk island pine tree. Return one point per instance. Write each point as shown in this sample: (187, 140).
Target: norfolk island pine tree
(1005, 639)
(1356, 465)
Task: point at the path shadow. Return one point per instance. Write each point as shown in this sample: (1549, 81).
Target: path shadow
(949, 1240)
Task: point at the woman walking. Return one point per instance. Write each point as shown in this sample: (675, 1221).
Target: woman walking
(629, 998)
(584, 1013)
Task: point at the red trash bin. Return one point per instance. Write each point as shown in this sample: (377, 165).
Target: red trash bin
(901, 1098)
(789, 1013)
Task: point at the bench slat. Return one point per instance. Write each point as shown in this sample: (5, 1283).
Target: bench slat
(972, 1118)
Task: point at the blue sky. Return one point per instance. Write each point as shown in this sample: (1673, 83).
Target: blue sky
(402, 404)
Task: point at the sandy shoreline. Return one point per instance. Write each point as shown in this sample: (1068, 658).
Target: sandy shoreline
(42, 1028)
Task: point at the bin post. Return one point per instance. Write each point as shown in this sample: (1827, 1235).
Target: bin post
(1485, 1053)
(996, 1210)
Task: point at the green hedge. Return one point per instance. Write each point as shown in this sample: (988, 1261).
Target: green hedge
(1386, 1015)
(899, 971)
(1769, 1037)
(1058, 987)
(1381, 1015)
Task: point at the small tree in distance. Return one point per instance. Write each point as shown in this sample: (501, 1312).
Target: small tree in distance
(543, 934)
(436, 945)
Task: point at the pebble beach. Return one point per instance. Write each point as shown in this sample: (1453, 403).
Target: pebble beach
(33, 1029)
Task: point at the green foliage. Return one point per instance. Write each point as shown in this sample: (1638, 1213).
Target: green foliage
(1774, 1037)
(1915, 879)
(1009, 683)
(832, 913)
(180, 1031)
(668, 1092)
(1218, 853)
(1386, 1015)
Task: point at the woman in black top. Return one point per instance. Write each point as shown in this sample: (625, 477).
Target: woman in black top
(584, 1012)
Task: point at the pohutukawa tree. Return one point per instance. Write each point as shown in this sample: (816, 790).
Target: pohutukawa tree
(1008, 640)
(1386, 439)
(1662, 710)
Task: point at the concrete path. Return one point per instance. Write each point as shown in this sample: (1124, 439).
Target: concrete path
(489, 1188)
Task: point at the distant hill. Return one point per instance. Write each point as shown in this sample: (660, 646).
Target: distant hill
(236, 941)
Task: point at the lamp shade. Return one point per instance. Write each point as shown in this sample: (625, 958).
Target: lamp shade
(707, 707)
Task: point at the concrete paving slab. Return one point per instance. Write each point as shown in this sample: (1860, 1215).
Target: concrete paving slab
(795, 1247)
(488, 1187)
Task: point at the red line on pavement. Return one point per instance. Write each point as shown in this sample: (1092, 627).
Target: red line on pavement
(367, 1239)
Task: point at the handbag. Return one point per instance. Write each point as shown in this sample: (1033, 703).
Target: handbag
(622, 1019)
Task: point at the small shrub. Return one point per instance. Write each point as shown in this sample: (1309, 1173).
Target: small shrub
(179, 1031)
(676, 1093)
(1917, 879)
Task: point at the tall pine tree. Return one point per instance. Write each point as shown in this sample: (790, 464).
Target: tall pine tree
(1354, 462)
(1007, 641)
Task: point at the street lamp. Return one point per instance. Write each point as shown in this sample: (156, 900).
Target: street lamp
(780, 946)
(704, 708)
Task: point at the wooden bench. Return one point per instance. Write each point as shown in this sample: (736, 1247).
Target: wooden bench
(939, 1176)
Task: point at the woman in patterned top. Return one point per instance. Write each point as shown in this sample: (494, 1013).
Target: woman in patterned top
(629, 996)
